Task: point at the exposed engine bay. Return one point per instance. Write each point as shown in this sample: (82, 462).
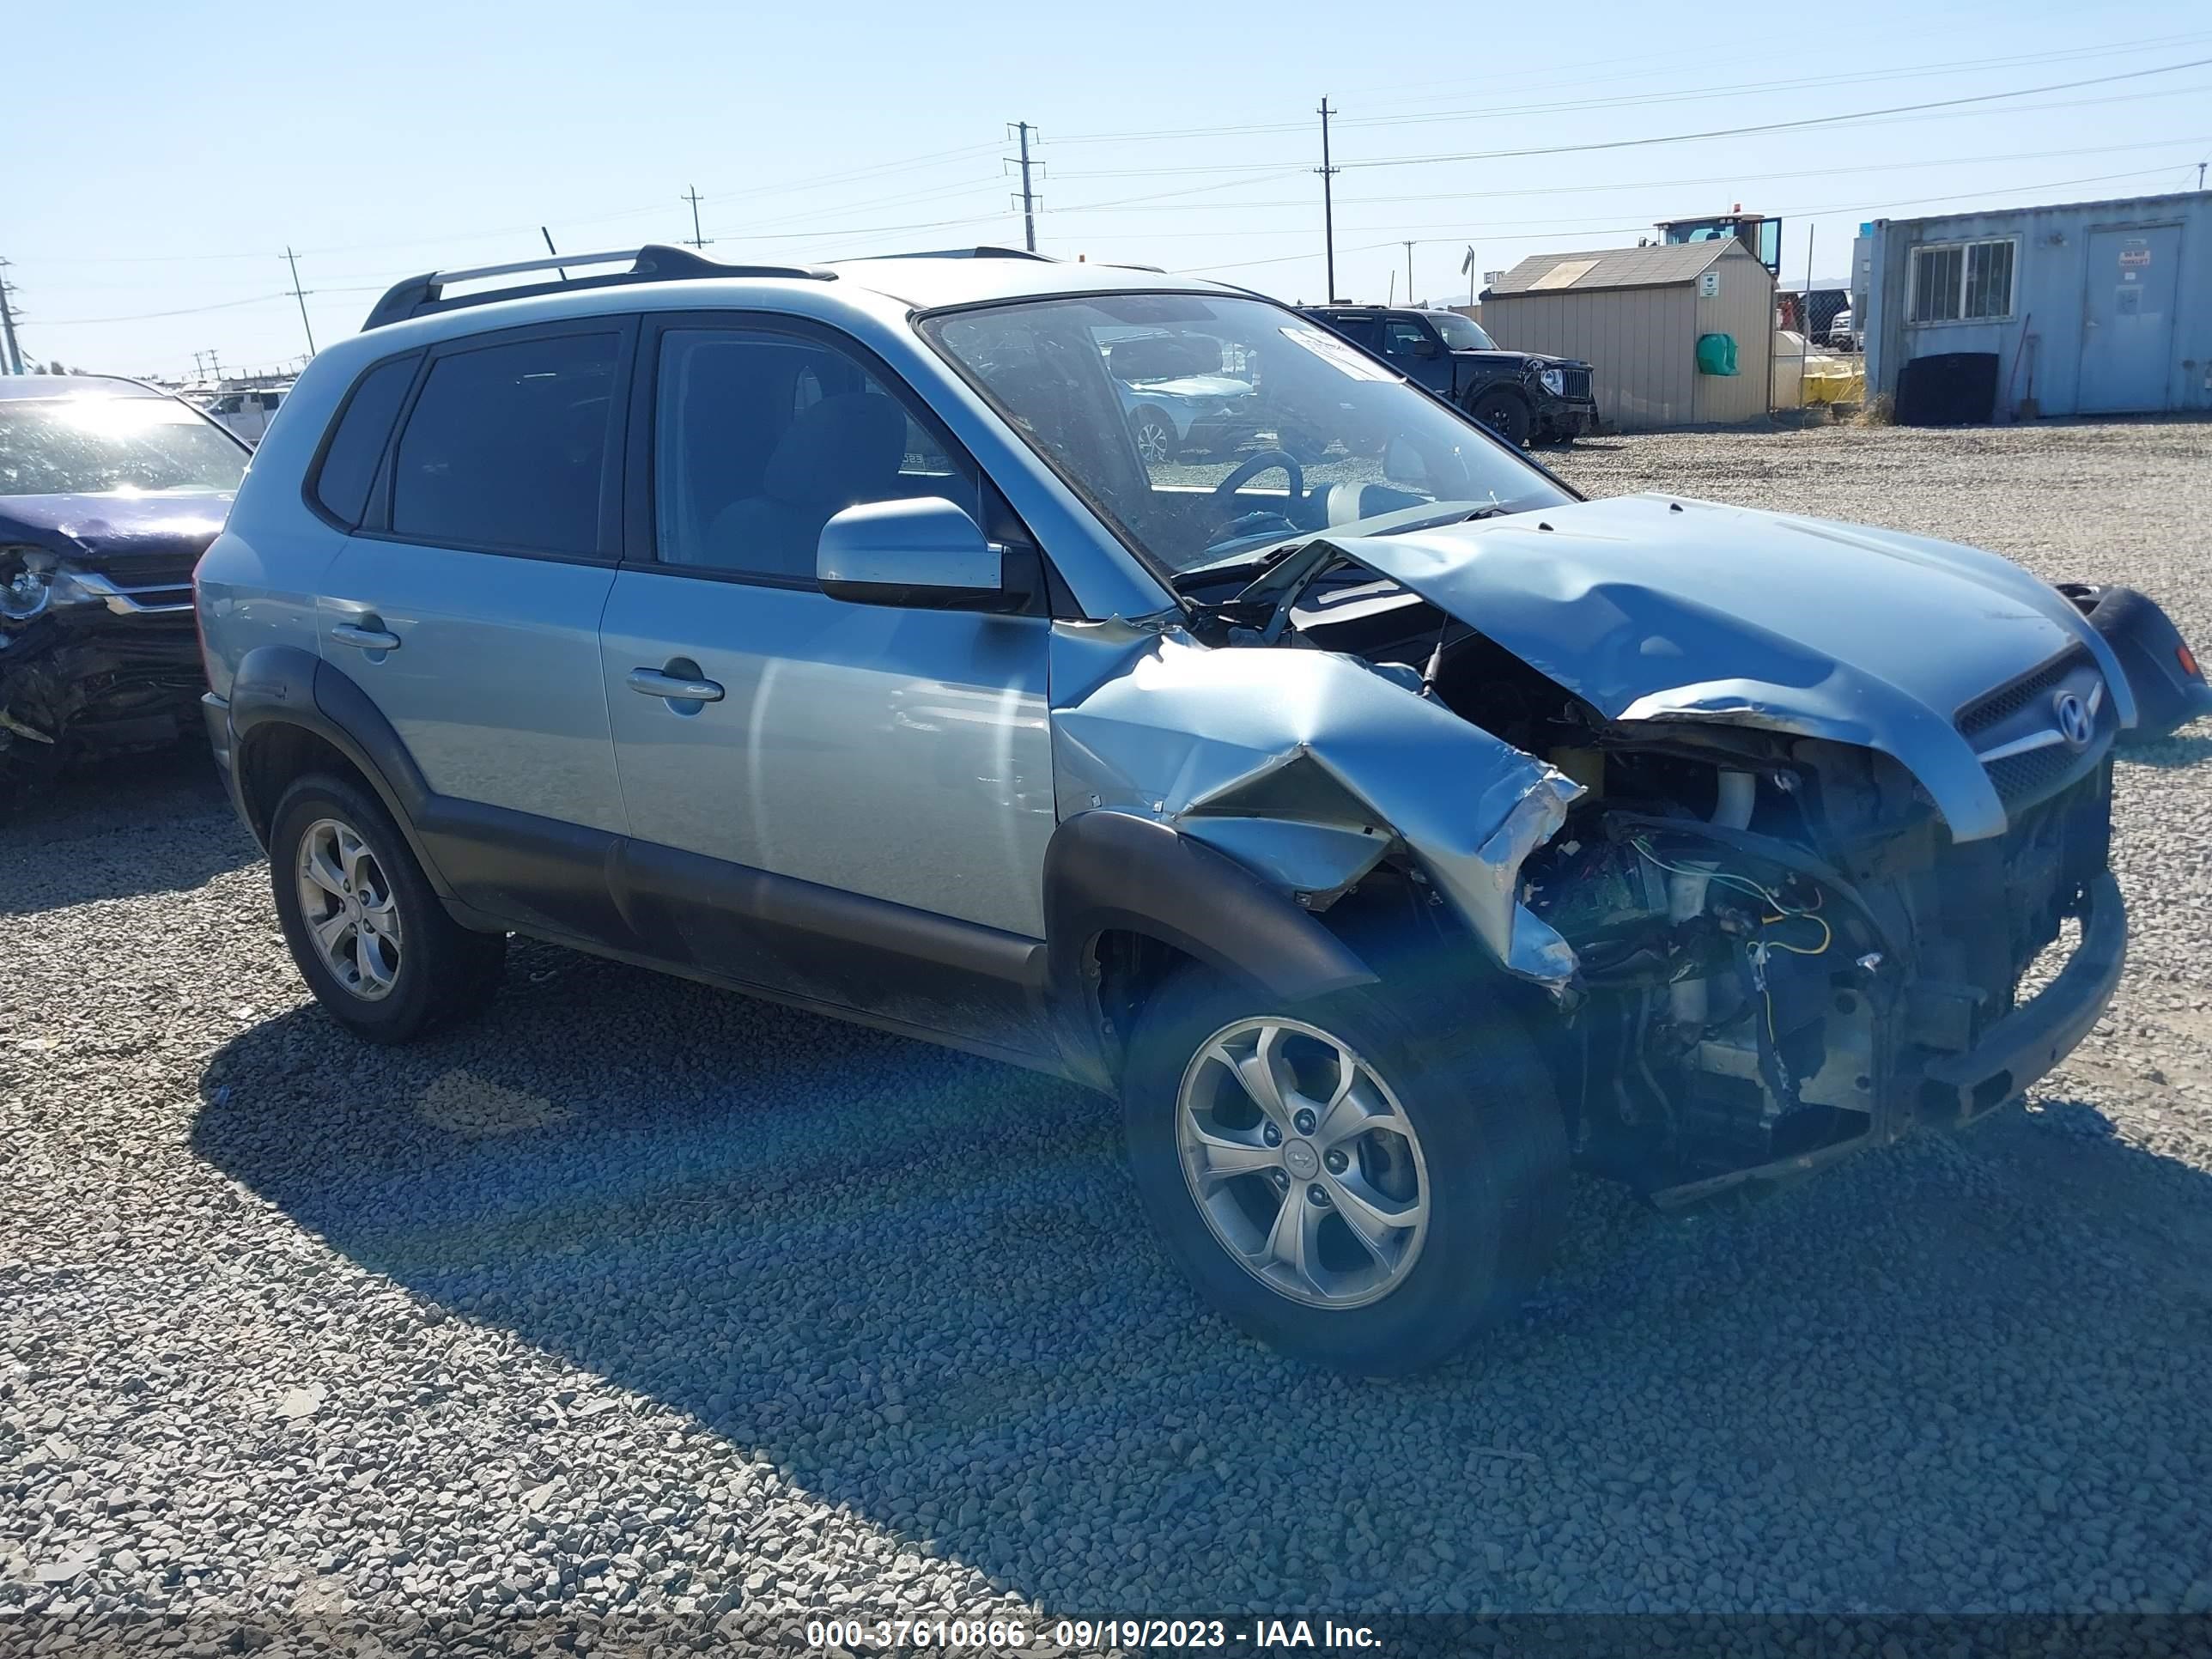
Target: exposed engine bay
(1781, 952)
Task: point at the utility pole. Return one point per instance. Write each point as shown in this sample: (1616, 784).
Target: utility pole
(2200, 175)
(300, 294)
(1028, 198)
(14, 360)
(1409, 272)
(697, 241)
(1327, 201)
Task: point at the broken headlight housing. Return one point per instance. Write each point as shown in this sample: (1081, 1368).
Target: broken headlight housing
(33, 581)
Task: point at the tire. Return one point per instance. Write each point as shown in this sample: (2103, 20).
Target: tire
(1504, 415)
(409, 967)
(1487, 1151)
(1154, 433)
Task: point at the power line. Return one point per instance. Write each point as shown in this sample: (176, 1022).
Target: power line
(1651, 184)
(1780, 126)
(1802, 123)
(1637, 99)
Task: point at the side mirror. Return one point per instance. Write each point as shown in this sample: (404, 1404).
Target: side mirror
(921, 554)
(1428, 348)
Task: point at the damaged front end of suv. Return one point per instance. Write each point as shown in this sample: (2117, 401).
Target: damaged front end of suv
(109, 493)
(1762, 826)
(1783, 855)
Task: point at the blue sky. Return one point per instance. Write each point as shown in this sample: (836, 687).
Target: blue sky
(165, 155)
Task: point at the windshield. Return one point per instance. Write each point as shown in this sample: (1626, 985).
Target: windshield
(91, 446)
(1461, 333)
(1204, 429)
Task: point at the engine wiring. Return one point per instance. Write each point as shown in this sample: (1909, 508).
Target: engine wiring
(1777, 910)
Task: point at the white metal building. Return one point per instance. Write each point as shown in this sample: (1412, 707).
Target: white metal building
(1635, 315)
(2092, 308)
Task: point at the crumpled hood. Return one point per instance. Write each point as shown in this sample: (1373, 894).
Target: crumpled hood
(105, 531)
(1652, 607)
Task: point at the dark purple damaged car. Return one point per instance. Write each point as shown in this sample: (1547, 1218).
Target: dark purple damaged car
(109, 493)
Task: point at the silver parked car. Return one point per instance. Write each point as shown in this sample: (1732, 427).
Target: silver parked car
(1386, 831)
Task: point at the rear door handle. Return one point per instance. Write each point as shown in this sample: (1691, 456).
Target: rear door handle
(652, 683)
(369, 639)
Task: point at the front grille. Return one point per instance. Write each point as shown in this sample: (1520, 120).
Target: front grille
(2035, 774)
(1578, 383)
(2008, 700)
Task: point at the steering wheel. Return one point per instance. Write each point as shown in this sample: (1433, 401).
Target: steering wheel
(1223, 495)
(1253, 465)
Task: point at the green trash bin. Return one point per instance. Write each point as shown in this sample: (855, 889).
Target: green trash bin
(1717, 354)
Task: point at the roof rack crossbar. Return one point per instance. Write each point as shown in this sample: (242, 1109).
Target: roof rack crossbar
(653, 263)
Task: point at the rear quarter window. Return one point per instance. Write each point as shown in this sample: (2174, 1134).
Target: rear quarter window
(357, 438)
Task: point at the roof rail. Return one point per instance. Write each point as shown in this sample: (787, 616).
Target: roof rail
(419, 295)
(985, 251)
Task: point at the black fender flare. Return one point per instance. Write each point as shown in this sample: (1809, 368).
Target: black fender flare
(1107, 872)
(278, 685)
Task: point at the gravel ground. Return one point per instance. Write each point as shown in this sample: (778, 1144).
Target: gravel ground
(639, 1312)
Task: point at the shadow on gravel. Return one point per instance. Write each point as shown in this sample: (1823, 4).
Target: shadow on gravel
(2182, 748)
(1962, 1374)
(112, 829)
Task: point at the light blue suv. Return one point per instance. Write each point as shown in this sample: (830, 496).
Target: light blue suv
(1386, 829)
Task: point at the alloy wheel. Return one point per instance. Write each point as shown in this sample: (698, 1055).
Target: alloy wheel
(350, 912)
(1303, 1163)
(1156, 441)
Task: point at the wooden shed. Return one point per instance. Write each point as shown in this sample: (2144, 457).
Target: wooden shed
(1635, 315)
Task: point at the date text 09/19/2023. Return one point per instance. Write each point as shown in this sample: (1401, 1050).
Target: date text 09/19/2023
(1013, 1636)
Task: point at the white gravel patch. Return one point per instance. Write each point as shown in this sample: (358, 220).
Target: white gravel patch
(638, 1314)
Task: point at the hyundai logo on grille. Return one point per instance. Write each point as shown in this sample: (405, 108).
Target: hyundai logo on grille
(2076, 723)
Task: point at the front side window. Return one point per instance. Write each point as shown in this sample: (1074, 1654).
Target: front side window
(1307, 432)
(760, 437)
(1463, 333)
(104, 445)
(1403, 337)
(507, 446)
(1962, 282)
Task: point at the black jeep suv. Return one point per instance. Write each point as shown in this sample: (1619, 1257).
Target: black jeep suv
(1521, 396)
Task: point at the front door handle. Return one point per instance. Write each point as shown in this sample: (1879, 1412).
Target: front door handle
(369, 639)
(652, 683)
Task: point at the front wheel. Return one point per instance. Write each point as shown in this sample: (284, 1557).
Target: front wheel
(1504, 415)
(1357, 1191)
(1157, 443)
(366, 932)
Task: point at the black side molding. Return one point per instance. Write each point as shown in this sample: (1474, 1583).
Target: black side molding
(1106, 871)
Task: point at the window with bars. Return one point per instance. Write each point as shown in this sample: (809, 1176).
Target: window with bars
(1962, 282)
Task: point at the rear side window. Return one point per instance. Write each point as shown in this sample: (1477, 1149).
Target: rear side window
(350, 457)
(507, 446)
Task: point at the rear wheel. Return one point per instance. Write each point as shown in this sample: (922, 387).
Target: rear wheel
(1504, 415)
(1360, 1189)
(369, 937)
